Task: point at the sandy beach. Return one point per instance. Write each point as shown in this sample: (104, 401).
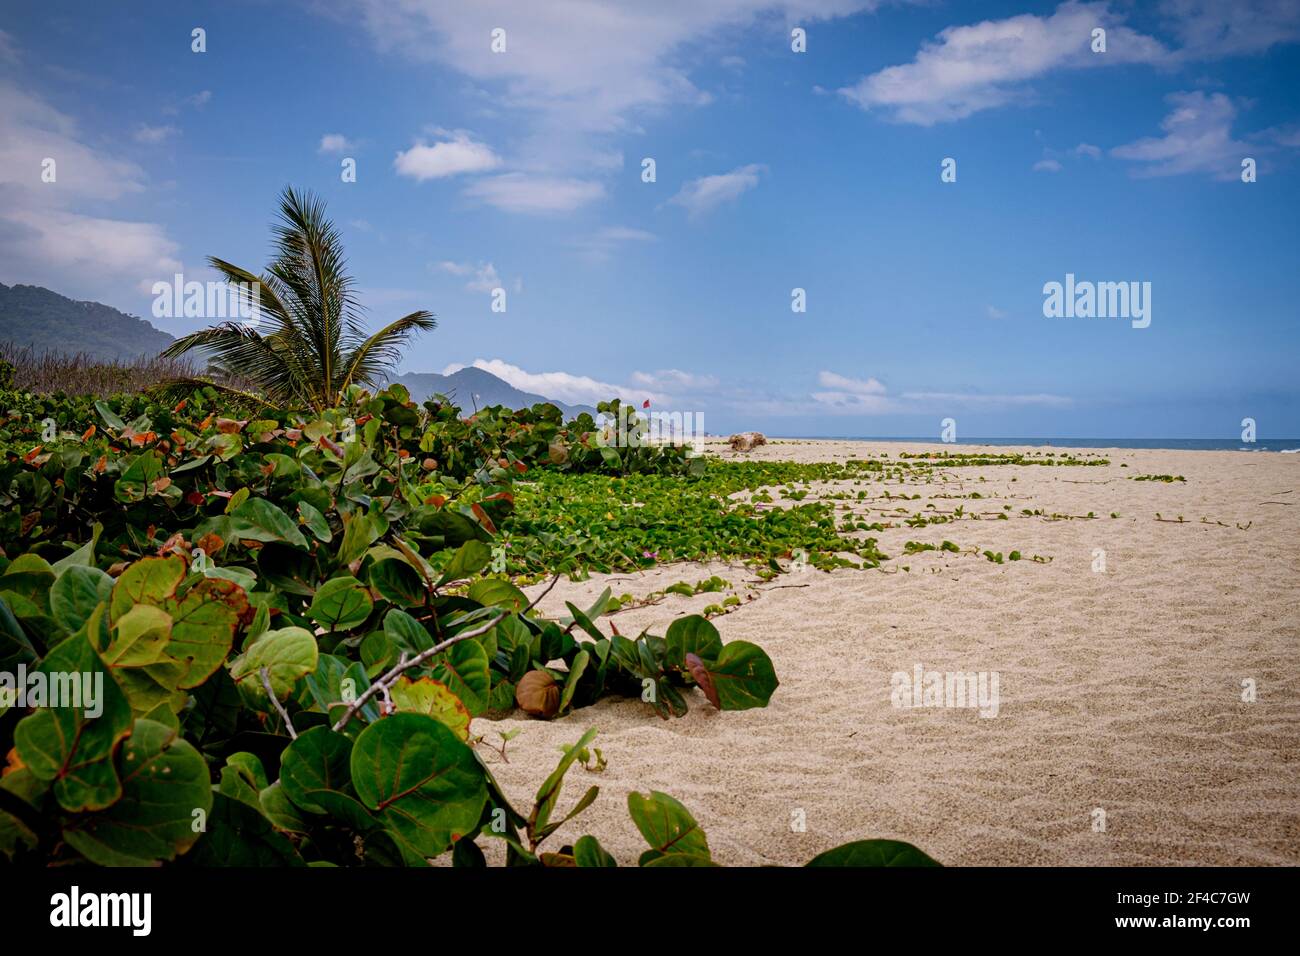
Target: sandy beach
(1119, 690)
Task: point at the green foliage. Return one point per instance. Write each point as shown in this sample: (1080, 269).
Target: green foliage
(294, 625)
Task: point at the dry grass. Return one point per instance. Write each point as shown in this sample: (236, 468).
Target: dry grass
(81, 374)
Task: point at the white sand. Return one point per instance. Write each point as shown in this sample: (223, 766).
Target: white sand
(1119, 690)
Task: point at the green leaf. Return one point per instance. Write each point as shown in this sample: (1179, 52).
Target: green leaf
(426, 785)
(575, 674)
(315, 522)
(692, 635)
(470, 558)
(259, 520)
(398, 583)
(667, 826)
(62, 744)
(164, 783)
(110, 417)
(743, 676)
(84, 556)
(341, 603)
(549, 792)
(588, 852)
(359, 533)
(204, 618)
(434, 698)
(463, 667)
(288, 654)
(318, 760)
(874, 853)
(76, 593)
(492, 592)
(406, 633)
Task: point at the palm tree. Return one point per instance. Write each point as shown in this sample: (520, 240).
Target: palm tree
(316, 345)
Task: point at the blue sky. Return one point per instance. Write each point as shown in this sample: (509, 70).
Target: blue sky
(775, 170)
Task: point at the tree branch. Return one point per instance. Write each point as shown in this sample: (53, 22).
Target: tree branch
(275, 701)
(384, 683)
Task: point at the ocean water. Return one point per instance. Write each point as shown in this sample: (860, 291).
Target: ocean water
(1180, 444)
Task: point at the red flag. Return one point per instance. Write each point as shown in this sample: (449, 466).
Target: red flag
(646, 403)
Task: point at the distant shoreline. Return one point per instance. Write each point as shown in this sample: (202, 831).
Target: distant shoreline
(1162, 444)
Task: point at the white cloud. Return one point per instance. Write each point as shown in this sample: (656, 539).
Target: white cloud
(985, 65)
(451, 157)
(335, 143)
(563, 386)
(675, 380)
(42, 238)
(701, 196)
(1087, 149)
(485, 276)
(575, 73)
(154, 134)
(1217, 28)
(979, 399)
(521, 192)
(993, 312)
(1198, 139)
(199, 99)
(1047, 166)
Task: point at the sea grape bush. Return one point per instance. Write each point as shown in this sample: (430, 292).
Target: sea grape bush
(291, 634)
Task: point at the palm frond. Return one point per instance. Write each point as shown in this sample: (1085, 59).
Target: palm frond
(380, 352)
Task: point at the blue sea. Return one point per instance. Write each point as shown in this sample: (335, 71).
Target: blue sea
(1181, 444)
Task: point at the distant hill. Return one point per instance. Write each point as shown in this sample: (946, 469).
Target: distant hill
(49, 322)
(474, 388)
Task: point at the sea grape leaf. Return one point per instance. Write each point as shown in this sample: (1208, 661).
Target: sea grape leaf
(432, 697)
(588, 852)
(463, 667)
(204, 618)
(341, 603)
(314, 521)
(76, 593)
(164, 783)
(259, 520)
(287, 654)
(424, 783)
(318, 760)
(62, 744)
(667, 826)
(359, 533)
(397, 582)
(874, 853)
(692, 635)
(406, 633)
(240, 835)
(742, 676)
(470, 557)
(497, 592)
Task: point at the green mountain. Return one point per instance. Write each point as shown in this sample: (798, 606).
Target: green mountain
(474, 388)
(49, 322)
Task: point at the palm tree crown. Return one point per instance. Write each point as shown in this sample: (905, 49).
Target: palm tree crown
(310, 343)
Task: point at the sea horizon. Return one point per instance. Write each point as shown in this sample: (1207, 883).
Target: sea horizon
(1166, 444)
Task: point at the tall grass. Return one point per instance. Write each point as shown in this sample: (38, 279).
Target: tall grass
(46, 373)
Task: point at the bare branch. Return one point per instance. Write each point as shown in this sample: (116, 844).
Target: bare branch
(275, 701)
(384, 683)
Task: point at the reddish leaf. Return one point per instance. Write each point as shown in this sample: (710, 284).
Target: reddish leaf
(703, 678)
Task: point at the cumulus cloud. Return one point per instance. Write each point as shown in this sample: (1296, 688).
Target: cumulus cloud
(335, 143)
(484, 275)
(42, 238)
(701, 196)
(1197, 139)
(522, 192)
(563, 386)
(1047, 166)
(452, 157)
(1087, 149)
(967, 69)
